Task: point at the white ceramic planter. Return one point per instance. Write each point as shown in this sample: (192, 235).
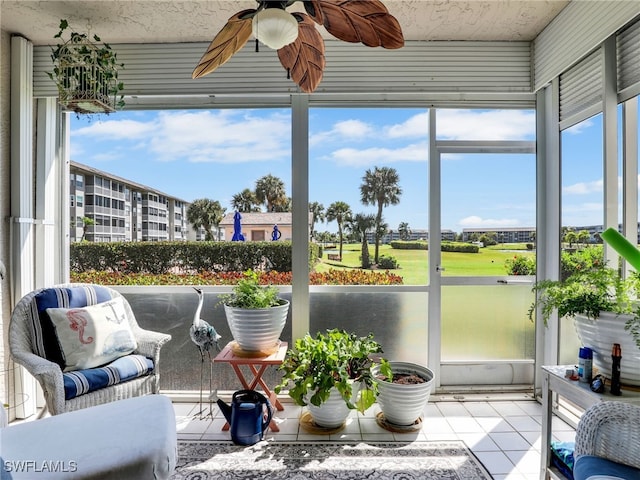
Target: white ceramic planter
(404, 404)
(257, 329)
(600, 335)
(334, 412)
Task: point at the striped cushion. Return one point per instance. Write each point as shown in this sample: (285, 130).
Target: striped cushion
(43, 332)
(125, 368)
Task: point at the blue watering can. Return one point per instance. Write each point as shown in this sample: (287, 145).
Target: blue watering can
(248, 415)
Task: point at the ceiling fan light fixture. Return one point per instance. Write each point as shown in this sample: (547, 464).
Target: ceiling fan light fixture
(275, 27)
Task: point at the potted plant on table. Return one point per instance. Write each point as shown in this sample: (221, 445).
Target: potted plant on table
(86, 73)
(255, 313)
(605, 309)
(331, 374)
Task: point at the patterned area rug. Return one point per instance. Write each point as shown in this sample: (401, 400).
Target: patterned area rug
(328, 461)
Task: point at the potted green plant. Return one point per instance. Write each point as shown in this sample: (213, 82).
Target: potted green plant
(255, 313)
(605, 310)
(331, 374)
(404, 389)
(86, 73)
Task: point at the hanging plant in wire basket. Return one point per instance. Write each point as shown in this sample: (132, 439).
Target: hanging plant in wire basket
(86, 73)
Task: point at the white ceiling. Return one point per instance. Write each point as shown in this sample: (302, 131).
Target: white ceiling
(160, 21)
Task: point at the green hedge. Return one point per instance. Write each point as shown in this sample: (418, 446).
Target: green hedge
(409, 245)
(459, 247)
(184, 257)
(444, 246)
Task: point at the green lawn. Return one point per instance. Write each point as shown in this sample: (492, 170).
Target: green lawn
(414, 263)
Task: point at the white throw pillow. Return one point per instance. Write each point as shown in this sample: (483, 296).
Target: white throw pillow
(94, 335)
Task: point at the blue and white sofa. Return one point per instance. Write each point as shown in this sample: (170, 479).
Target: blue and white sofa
(84, 346)
(607, 443)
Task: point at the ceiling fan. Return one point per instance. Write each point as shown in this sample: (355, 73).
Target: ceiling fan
(294, 35)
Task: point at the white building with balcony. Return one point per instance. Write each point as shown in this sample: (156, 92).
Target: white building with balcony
(107, 208)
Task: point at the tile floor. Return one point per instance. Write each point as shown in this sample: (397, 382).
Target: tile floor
(503, 434)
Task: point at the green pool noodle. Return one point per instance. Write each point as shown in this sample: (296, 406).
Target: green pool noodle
(621, 245)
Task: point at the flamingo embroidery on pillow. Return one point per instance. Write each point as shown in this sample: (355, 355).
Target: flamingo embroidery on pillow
(93, 335)
(77, 322)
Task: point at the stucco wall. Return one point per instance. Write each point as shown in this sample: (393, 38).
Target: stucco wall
(247, 230)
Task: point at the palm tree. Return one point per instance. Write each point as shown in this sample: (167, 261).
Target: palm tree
(218, 214)
(245, 201)
(86, 223)
(360, 224)
(382, 229)
(584, 236)
(270, 191)
(324, 237)
(205, 213)
(282, 205)
(571, 237)
(341, 213)
(317, 214)
(380, 187)
(404, 231)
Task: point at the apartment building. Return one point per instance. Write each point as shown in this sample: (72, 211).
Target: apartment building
(120, 210)
(596, 230)
(528, 234)
(417, 234)
(503, 234)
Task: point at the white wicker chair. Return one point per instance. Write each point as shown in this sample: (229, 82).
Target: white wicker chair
(49, 374)
(610, 430)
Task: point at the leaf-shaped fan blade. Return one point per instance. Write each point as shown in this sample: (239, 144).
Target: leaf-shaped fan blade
(366, 21)
(228, 41)
(304, 58)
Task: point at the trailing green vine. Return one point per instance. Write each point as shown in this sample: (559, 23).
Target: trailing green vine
(86, 73)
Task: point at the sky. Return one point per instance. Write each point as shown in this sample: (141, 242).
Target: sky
(192, 154)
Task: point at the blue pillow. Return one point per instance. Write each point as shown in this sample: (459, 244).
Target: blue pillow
(589, 466)
(45, 338)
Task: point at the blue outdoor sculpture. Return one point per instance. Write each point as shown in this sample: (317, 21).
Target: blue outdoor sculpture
(276, 234)
(237, 228)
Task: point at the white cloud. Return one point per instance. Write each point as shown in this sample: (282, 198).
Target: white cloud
(117, 129)
(223, 136)
(474, 221)
(353, 129)
(457, 124)
(582, 214)
(344, 130)
(106, 156)
(418, 152)
(581, 208)
(595, 186)
(579, 127)
(583, 188)
(416, 126)
(77, 150)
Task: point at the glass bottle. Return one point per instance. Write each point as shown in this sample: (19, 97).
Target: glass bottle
(616, 356)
